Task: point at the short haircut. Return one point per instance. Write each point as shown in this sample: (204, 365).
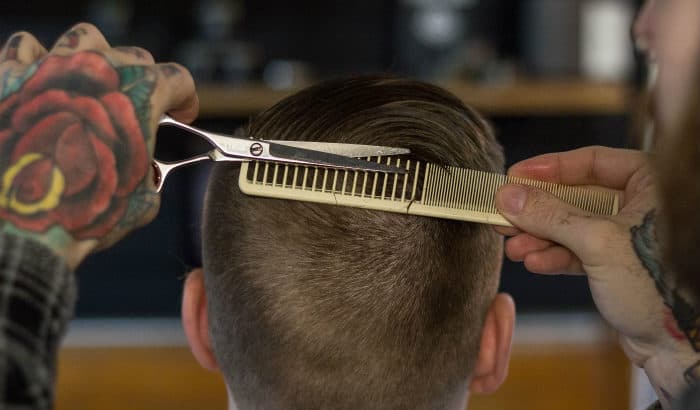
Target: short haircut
(325, 307)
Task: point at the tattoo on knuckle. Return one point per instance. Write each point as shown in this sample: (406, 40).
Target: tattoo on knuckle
(137, 52)
(71, 39)
(12, 46)
(170, 69)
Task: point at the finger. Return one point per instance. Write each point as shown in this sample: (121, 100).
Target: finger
(81, 37)
(506, 230)
(22, 47)
(544, 216)
(602, 166)
(132, 55)
(553, 260)
(520, 246)
(175, 93)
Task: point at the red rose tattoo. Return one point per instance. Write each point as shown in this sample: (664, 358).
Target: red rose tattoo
(73, 144)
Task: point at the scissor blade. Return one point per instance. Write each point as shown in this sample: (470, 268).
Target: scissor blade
(346, 150)
(318, 158)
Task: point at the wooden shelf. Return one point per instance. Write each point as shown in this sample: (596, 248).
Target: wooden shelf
(521, 98)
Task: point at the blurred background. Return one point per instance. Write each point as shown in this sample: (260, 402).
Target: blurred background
(550, 75)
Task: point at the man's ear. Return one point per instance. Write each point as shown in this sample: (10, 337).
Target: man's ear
(494, 354)
(195, 320)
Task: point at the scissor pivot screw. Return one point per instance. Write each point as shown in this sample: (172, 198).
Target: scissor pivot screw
(256, 149)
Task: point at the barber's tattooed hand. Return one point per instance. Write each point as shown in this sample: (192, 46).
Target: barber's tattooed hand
(77, 134)
(657, 323)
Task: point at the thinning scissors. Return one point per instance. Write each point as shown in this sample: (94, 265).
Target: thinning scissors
(234, 149)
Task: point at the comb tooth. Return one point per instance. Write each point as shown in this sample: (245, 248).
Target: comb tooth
(405, 180)
(427, 184)
(255, 171)
(335, 181)
(426, 176)
(274, 174)
(266, 168)
(314, 179)
(285, 175)
(354, 183)
(445, 194)
(605, 203)
(295, 177)
(374, 180)
(364, 184)
(492, 193)
(415, 181)
(325, 180)
(472, 189)
(305, 178)
(396, 181)
(345, 182)
(386, 179)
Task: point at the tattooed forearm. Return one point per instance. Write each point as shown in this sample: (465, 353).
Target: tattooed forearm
(683, 321)
(73, 144)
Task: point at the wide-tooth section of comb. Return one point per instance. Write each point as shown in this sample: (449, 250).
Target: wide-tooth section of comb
(426, 189)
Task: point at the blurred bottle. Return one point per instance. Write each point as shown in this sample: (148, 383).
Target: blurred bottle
(214, 54)
(432, 35)
(606, 47)
(112, 17)
(549, 37)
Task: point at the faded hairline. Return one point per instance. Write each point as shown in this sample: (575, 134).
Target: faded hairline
(316, 306)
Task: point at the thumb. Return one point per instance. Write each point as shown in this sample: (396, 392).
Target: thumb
(543, 215)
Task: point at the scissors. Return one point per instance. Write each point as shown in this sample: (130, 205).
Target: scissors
(235, 149)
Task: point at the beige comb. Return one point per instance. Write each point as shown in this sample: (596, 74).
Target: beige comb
(425, 190)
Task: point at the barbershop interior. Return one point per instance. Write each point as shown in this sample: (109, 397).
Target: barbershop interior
(549, 76)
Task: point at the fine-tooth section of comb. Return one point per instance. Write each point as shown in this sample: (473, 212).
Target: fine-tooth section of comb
(425, 189)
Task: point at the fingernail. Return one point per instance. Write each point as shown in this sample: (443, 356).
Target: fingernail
(511, 199)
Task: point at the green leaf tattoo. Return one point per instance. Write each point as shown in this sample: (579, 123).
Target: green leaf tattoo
(645, 245)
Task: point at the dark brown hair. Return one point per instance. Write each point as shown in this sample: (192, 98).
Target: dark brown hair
(678, 164)
(322, 307)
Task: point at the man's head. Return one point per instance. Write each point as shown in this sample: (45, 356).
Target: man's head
(312, 306)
